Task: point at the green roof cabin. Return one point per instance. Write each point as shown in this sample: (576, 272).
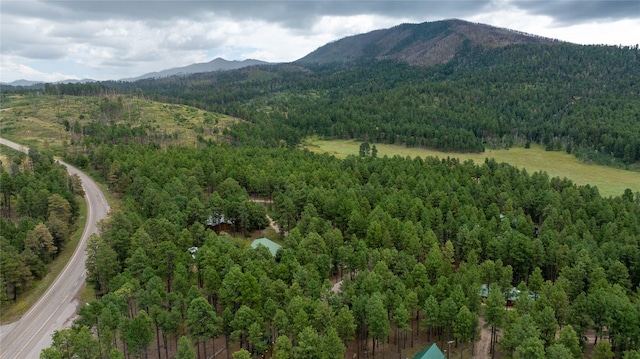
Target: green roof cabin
(432, 352)
(271, 245)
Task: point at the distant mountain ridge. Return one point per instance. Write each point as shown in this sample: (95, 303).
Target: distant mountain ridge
(422, 44)
(38, 84)
(218, 64)
(22, 82)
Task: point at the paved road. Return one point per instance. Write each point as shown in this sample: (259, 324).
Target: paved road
(57, 307)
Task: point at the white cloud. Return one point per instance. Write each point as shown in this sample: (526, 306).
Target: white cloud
(11, 71)
(340, 26)
(510, 17)
(622, 32)
(270, 42)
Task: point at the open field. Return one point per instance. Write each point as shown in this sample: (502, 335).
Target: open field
(41, 120)
(610, 181)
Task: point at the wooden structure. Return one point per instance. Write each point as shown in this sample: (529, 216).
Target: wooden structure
(219, 224)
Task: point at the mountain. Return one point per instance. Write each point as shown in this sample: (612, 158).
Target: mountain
(217, 64)
(422, 44)
(28, 83)
(498, 88)
(22, 82)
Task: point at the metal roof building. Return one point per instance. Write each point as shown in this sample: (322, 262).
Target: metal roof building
(271, 245)
(431, 352)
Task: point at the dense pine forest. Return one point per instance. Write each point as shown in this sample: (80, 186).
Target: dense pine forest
(413, 240)
(39, 209)
(380, 256)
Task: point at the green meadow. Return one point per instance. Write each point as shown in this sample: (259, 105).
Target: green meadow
(610, 181)
(40, 120)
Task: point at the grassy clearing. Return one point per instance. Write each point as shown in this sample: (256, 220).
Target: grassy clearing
(39, 120)
(12, 312)
(610, 181)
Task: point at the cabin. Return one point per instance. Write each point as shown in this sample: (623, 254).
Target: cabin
(218, 223)
(431, 352)
(514, 294)
(271, 245)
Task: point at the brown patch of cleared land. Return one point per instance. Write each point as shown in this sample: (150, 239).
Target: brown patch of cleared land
(39, 120)
(610, 181)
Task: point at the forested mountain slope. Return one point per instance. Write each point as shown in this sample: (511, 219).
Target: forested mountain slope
(422, 44)
(582, 99)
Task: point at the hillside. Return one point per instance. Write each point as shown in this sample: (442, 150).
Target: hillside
(422, 44)
(69, 123)
(580, 99)
(217, 64)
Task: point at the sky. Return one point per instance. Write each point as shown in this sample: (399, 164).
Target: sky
(57, 40)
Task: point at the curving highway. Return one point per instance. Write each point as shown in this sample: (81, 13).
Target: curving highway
(56, 308)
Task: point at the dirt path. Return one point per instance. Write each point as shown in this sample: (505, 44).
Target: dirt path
(483, 345)
(272, 224)
(275, 227)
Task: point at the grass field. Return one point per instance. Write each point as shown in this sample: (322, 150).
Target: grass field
(39, 120)
(610, 181)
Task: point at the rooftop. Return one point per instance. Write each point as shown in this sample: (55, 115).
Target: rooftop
(271, 245)
(431, 352)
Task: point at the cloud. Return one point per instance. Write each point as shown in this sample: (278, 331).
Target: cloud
(304, 14)
(301, 14)
(509, 15)
(571, 12)
(11, 70)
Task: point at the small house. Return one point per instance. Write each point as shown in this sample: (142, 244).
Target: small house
(431, 352)
(513, 295)
(218, 223)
